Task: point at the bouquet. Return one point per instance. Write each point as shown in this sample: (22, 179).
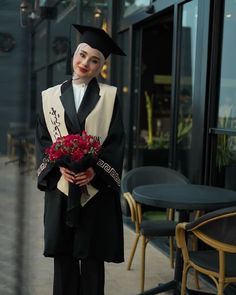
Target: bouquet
(76, 153)
(73, 148)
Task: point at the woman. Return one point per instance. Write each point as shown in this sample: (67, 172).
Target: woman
(80, 249)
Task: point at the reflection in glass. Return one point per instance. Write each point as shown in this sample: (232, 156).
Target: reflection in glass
(60, 45)
(59, 73)
(59, 34)
(40, 46)
(186, 84)
(225, 173)
(227, 99)
(155, 93)
(124, 95)
(39, 83)
(95, 13)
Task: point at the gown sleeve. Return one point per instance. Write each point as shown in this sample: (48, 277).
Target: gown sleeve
(109, 166)
(48, 174)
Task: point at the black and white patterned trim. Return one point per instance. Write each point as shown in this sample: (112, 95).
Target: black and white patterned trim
(42, 166)
(106, 167)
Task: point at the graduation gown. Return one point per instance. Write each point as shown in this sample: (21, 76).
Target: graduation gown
(100, 231)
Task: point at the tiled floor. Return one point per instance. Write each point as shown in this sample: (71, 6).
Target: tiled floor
(24, 271)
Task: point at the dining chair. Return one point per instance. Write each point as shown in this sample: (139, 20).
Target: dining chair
(149, 229)
(217, 230)
(17, 141)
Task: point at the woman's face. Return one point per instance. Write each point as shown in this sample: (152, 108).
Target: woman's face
(86, 62)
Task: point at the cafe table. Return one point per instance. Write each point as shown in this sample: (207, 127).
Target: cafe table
(184, 198)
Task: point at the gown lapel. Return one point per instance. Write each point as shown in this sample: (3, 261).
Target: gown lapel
(67, 99)
(89, 101)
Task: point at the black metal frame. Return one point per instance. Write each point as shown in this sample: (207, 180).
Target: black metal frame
(175, 84)
(131, 83)
(135, 90)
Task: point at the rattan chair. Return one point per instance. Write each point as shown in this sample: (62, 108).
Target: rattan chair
(217, 230)
(148, 229)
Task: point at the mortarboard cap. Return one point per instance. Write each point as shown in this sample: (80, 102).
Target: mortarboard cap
(96, 38)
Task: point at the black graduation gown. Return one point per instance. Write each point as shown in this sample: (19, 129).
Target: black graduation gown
(100, 233)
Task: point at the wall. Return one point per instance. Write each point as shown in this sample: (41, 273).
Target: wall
(14, 71)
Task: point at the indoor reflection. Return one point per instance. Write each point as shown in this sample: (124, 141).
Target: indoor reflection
(227, 99)
(95, 13)
(40, 46)
(155, 94)
(186, 85)
(225, 173)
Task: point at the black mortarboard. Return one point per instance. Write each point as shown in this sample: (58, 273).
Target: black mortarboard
(96, 38)
(99, 39)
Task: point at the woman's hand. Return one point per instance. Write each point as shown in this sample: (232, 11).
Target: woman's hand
(85, 177)
(68, 175)
(81, 178)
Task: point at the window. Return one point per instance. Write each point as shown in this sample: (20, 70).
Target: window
(227, 99)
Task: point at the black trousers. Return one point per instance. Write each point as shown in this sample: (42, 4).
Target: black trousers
(74, 277)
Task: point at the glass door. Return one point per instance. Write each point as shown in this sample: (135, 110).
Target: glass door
(191, 88)
(154, 93)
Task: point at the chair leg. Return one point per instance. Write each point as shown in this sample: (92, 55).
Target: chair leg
(184, 279)
(143, 253)
(171, 245)
(133, 251)
(220, 288)
(195, 247)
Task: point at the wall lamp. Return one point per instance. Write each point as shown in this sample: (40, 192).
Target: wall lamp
(150, 9)
(29, 12)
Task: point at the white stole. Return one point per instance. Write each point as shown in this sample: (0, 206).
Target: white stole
(97, 123)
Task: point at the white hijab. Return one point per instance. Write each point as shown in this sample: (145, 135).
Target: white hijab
(75, 78)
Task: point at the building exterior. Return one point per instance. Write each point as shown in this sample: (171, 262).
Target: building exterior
(177, 85)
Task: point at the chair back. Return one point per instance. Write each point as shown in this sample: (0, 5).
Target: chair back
(216, 227)
(148, 175)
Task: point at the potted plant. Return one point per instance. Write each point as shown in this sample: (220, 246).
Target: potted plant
(155, 151)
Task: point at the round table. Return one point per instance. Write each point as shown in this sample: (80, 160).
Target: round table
(185, 198)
